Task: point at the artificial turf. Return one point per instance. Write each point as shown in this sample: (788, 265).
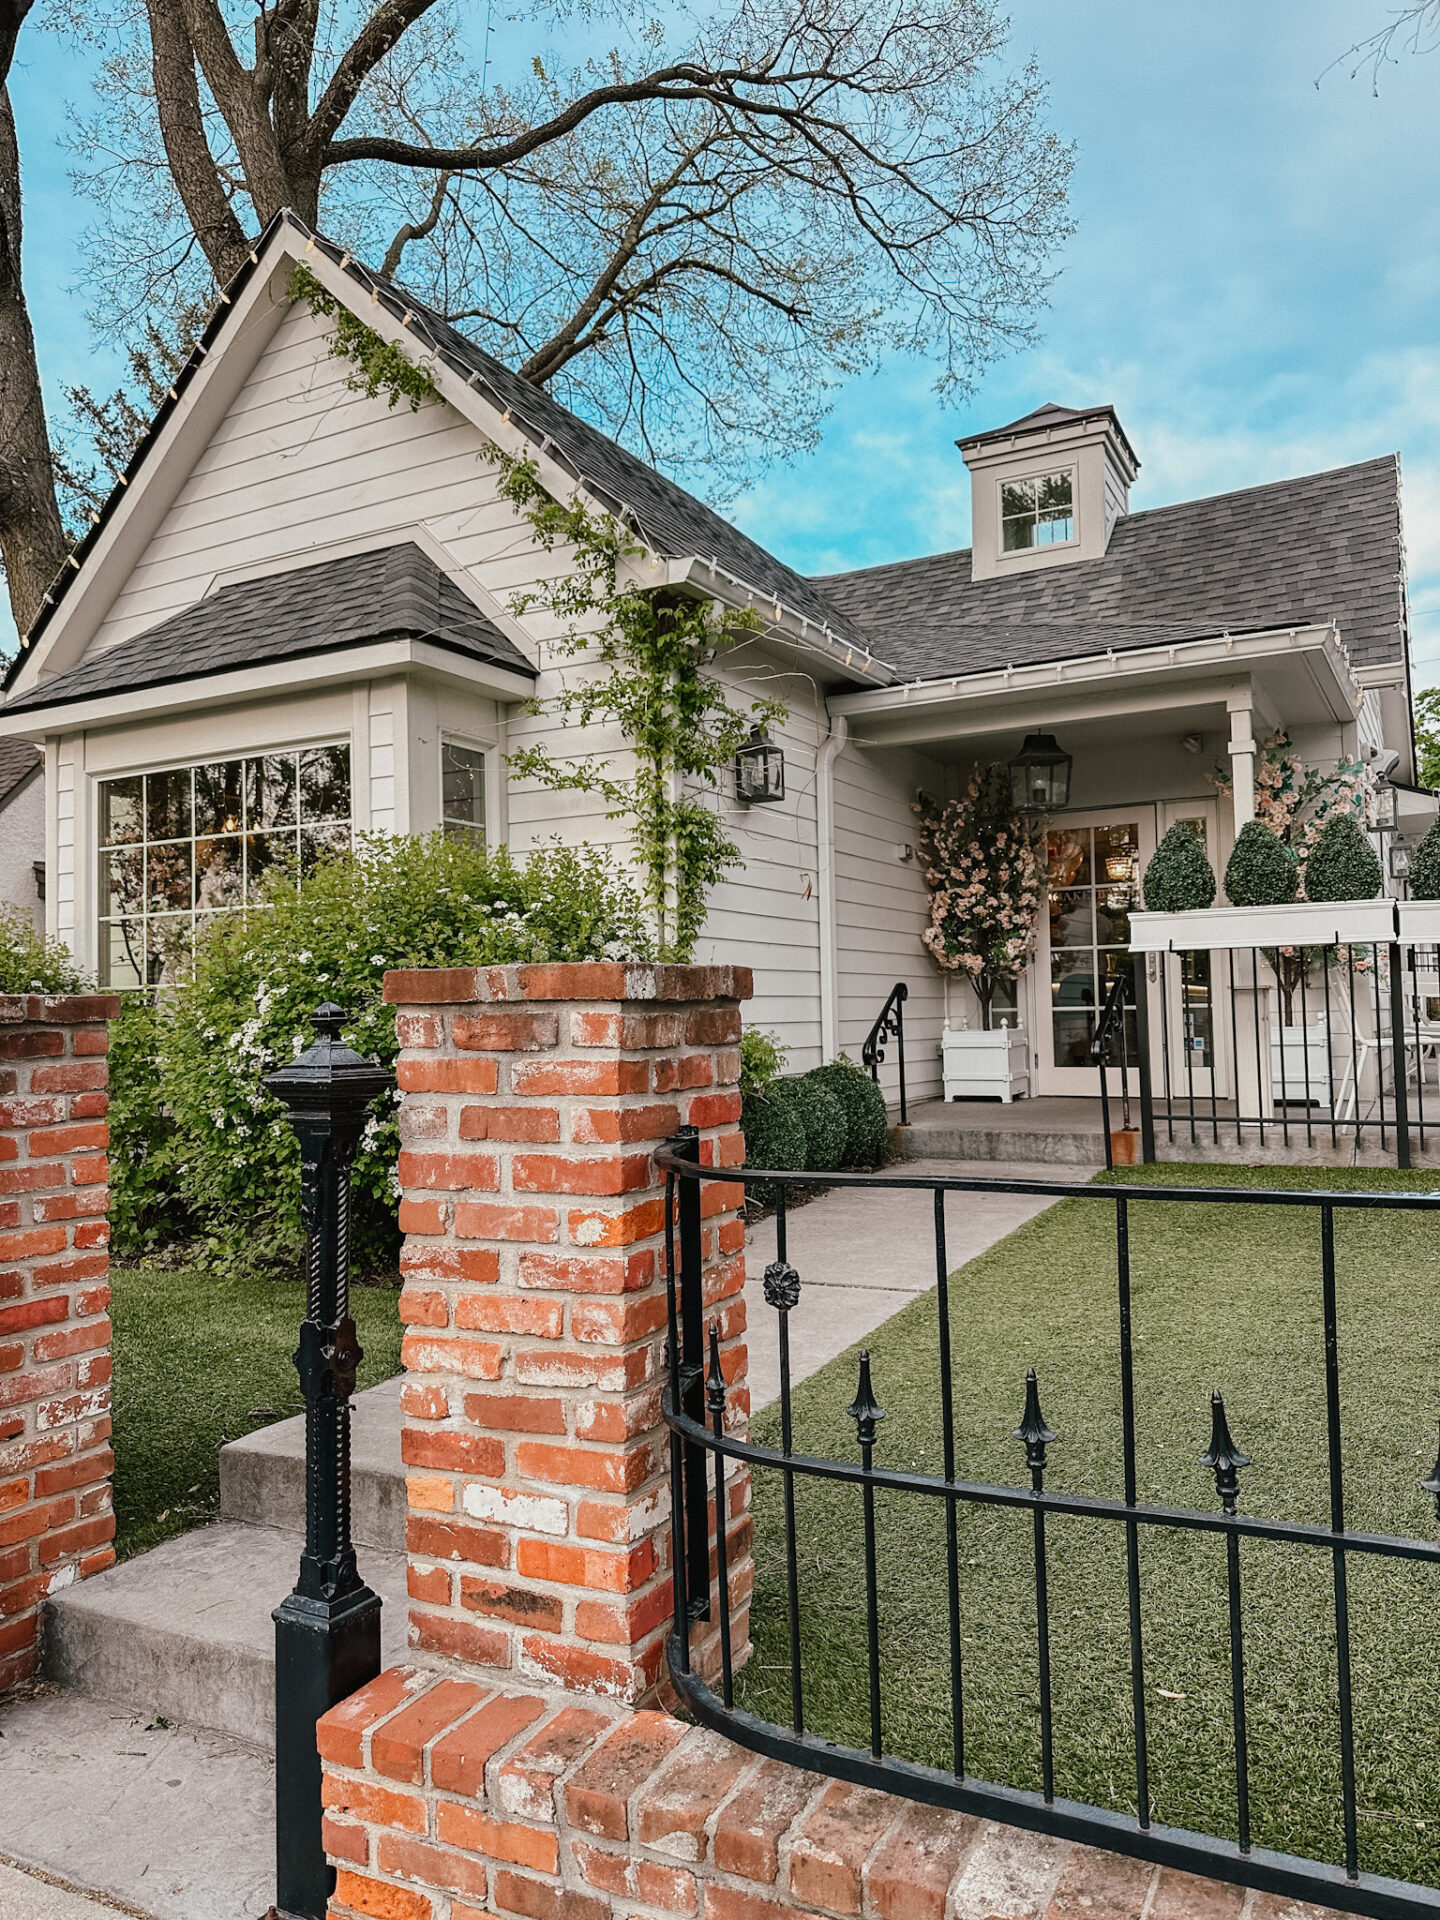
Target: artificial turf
(1224, 1296)
(201, 1359)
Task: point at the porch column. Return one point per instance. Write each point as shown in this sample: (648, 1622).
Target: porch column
(1242, 754)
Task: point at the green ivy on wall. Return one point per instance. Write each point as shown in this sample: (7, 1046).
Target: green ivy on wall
(380, 366)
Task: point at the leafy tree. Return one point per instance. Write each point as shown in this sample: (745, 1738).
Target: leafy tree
(691, 237)
(1427, 736)
(1179, 878)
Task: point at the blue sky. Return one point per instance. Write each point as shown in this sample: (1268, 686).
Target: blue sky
(1254, 282)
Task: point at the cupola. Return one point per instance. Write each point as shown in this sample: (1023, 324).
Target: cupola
(1047, 490)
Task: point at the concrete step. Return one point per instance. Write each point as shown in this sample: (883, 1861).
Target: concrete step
(1032, 1146)
(262, 1476)
(185, 1632)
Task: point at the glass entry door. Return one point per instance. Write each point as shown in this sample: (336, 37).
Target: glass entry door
(1093, 867)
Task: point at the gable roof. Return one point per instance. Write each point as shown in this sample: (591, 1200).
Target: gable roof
(18, 760)
(389, 594)
(671, 521)
(1303, 552)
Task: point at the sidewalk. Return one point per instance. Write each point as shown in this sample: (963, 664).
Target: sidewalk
(861, 1255)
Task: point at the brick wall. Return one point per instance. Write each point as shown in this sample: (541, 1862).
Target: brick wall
(449, 1800)
(56, 1522)
(538, 1497)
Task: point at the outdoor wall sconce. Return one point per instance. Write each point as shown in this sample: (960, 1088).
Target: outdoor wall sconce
(759, 770)
(1040, 774)
(1385, 807)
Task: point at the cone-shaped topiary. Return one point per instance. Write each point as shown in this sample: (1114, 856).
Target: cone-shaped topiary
(1179, 877)
(1342, 864)
(1262, 872)
(1425, 867)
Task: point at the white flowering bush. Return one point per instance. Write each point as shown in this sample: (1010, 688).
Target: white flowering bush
(225, 1154)
(983, 866)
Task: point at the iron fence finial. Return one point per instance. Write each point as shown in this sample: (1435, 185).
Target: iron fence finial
(865, 1410)
(1222, 1456)
(715, 1378)
(1032, 1428)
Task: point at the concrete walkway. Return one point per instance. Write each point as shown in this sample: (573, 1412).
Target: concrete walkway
(861, 1255)
(26, 1896)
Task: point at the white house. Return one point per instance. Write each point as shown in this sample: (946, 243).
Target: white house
(295, 619)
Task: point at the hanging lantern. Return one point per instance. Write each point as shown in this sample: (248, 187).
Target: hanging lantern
(759, 770)
(1040, 774)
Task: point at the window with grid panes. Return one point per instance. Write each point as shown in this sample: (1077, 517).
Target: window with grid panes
(462, 792)
(1091, 875)
(183, 844)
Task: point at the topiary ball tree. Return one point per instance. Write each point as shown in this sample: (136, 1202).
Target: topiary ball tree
(821, 1116)
(1179, 877)
(1262, 872)
(1342, 864)
(1425, 867)
(867, 1124)
(774, 1138)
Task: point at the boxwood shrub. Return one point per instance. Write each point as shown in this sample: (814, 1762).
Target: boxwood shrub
(774, 1139)
(821, 1117)
(1179, 878)
(867, 1123)
(1342, 864)
(1425, 867)
(1261, 872)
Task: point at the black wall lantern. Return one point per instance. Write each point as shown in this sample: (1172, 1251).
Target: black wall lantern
(759, 770)
(1040, 774)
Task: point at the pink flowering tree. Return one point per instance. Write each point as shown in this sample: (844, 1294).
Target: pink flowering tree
(984, 869)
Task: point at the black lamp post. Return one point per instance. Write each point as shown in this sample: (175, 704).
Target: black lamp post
(759, 770)
(327, 1633)
(1040, 774)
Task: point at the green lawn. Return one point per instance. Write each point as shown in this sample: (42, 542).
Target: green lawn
(1225, 1296)
(200, 1360)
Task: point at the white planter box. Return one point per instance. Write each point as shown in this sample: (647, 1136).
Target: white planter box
(1304, 923)
(1300, 1066)
(985, 1066)
(1420, 923)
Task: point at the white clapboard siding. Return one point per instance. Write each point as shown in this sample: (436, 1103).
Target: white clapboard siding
(882, 908)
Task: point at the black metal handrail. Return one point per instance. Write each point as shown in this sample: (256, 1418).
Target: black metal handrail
(891, 1021)
(1112, 1014)
(695, 1411)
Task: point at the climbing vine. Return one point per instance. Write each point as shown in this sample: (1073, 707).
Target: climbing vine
(644, 649)
(379, 366)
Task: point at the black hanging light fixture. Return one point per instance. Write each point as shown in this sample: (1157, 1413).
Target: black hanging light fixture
(759, 770)
(1040, 774)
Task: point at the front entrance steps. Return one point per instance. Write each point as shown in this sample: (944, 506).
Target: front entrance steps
(185, 1632)
(1046, 1131)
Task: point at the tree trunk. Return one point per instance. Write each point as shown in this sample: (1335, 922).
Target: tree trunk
(32, 540)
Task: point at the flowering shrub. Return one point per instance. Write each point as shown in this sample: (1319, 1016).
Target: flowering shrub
(243, 1009)
(1295, 801)
(29, 963)
(983, 866)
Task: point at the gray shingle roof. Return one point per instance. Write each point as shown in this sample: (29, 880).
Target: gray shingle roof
(1324, 547)
(18, 760)
(391, 593)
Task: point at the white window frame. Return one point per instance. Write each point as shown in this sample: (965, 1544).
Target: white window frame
(1051, 546)
(488, 749)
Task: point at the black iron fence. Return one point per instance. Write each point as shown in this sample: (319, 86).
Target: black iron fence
(889, 1025)
(703, 1446)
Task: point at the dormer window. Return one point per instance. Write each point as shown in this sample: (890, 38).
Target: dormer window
(1038, 512)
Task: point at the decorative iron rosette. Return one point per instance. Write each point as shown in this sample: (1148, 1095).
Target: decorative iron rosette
(782, 1286)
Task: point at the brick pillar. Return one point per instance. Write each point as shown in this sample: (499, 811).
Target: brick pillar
(538, 1494)
(56, 1522)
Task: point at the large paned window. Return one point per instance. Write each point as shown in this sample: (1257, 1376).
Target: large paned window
(1037, 513)
(1092, 874)
(462, 792)
(179, 846)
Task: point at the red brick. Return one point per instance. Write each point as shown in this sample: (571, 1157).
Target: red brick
(458, 1758)
(625, 1626)
(749, 1829)
(617, 1323)
(573, 1566)
(595, 1029)
(74, 1077)
(505, 1032)
(492, 1220)
(397, 1748)
(471, 1172)
(597, 1796)
(31, 1179)
(452, 1540)
(673, 1076)
(580, 1670)
(515, 1412)
(419, 1030)
(459, 1639)
(378, 1806)
(453, 1452)
(45, 1141)
(620, 1228)
(559, 1173)
(1093, 1886)
(476, 1359)
(447, 1076)
(521, 1606)
(583, 1466)
(424, 1403)
(432, 1866)
(604, 1126)
(1184, 1896)
(526, 1781)
(508, 1840)
(31, 1046)
(34, 1313)
(420, 1309)
(733, 1903)
(377, 1901)
(588, 1272)
(642, 1030)
(95, 1233)
(62, 1346)
(712, 1026)
(70, 1206)
(23, 1112)
(479, 1265)
(714, 1109)
(83, 1472)
(576, 980)
(90, 1106)
(503, 1313)
(911, 1872)
(601, 1368)
(509, 1123)
(592, 1077)
(344, 1842)
(423, 1123)
(430, 1584)
(533, 1899)
(423, 1216)
(72, 1541)
(61, 1273)
(430, 986)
